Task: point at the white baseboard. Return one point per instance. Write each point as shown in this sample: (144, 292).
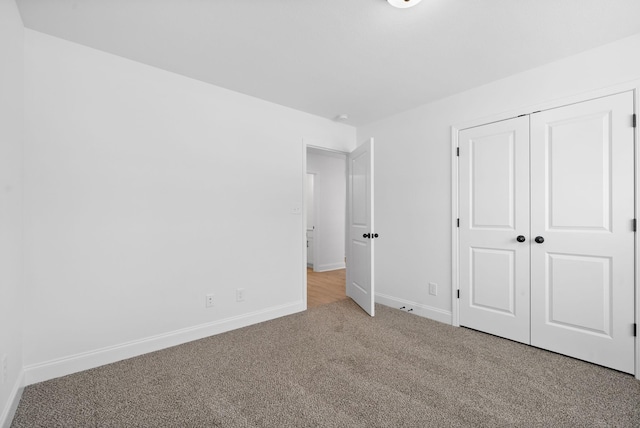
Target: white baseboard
(41, 372)
(6, 417)
(425, 311)
(330, 266)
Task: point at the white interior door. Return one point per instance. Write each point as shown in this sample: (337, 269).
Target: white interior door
(360, 236)
(582, 208)
(310, 200)
(494, 214)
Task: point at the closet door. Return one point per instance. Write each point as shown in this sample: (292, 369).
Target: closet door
(494, 228)
(582, 249)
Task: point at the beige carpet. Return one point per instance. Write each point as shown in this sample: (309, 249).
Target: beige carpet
(333, 366)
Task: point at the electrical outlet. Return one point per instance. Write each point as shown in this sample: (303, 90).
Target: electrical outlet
(209, 301)
(5, 368)
(433, 288)
(240, 295)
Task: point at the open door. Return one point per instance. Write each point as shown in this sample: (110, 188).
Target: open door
(360, 232)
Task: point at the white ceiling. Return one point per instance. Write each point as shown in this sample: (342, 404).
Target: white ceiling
(326, 57)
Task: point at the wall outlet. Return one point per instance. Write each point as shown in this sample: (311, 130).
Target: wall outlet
(5, 368)
(433, 288)
(209, 300)
(240, 295)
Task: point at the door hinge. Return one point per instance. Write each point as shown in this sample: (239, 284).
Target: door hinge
(634, 224)
(635, 329)
(458, 222)
(457, 151)
(458, 293)
(633, 120)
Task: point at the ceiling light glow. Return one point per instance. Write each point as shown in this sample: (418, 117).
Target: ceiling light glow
(403, 4)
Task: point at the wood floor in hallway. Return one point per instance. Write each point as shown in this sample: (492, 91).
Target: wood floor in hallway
(325, 287)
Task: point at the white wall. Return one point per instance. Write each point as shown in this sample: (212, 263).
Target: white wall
(413, 168)
(146, 190)
(11, 136)
(330, 197)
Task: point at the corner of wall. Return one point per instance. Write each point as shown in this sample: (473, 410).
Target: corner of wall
(9, 411)
(11, 215)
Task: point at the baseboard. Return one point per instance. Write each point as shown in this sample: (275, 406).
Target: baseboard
(330, 266)
(87, 360)
(6, 417)
(425, 311)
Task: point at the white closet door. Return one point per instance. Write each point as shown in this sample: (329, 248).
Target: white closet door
(494, 212)
(582, 205)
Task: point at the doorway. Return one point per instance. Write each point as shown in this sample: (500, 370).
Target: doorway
(325, 203)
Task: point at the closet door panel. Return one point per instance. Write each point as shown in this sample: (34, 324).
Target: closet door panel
(494, 211)
(582, 206)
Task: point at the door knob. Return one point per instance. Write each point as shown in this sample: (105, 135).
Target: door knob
(375, 235)
(366, 235)
(520, 238)
(539, 239)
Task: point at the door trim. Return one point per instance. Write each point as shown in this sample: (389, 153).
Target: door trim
(632, 86)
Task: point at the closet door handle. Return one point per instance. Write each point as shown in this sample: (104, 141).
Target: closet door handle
(539, 239)
(366, 235)
(520, 238)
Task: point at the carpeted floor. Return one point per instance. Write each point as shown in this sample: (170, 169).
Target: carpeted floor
(333, 366)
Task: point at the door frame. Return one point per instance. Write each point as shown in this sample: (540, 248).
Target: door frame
(307, 145)
(632, 86)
